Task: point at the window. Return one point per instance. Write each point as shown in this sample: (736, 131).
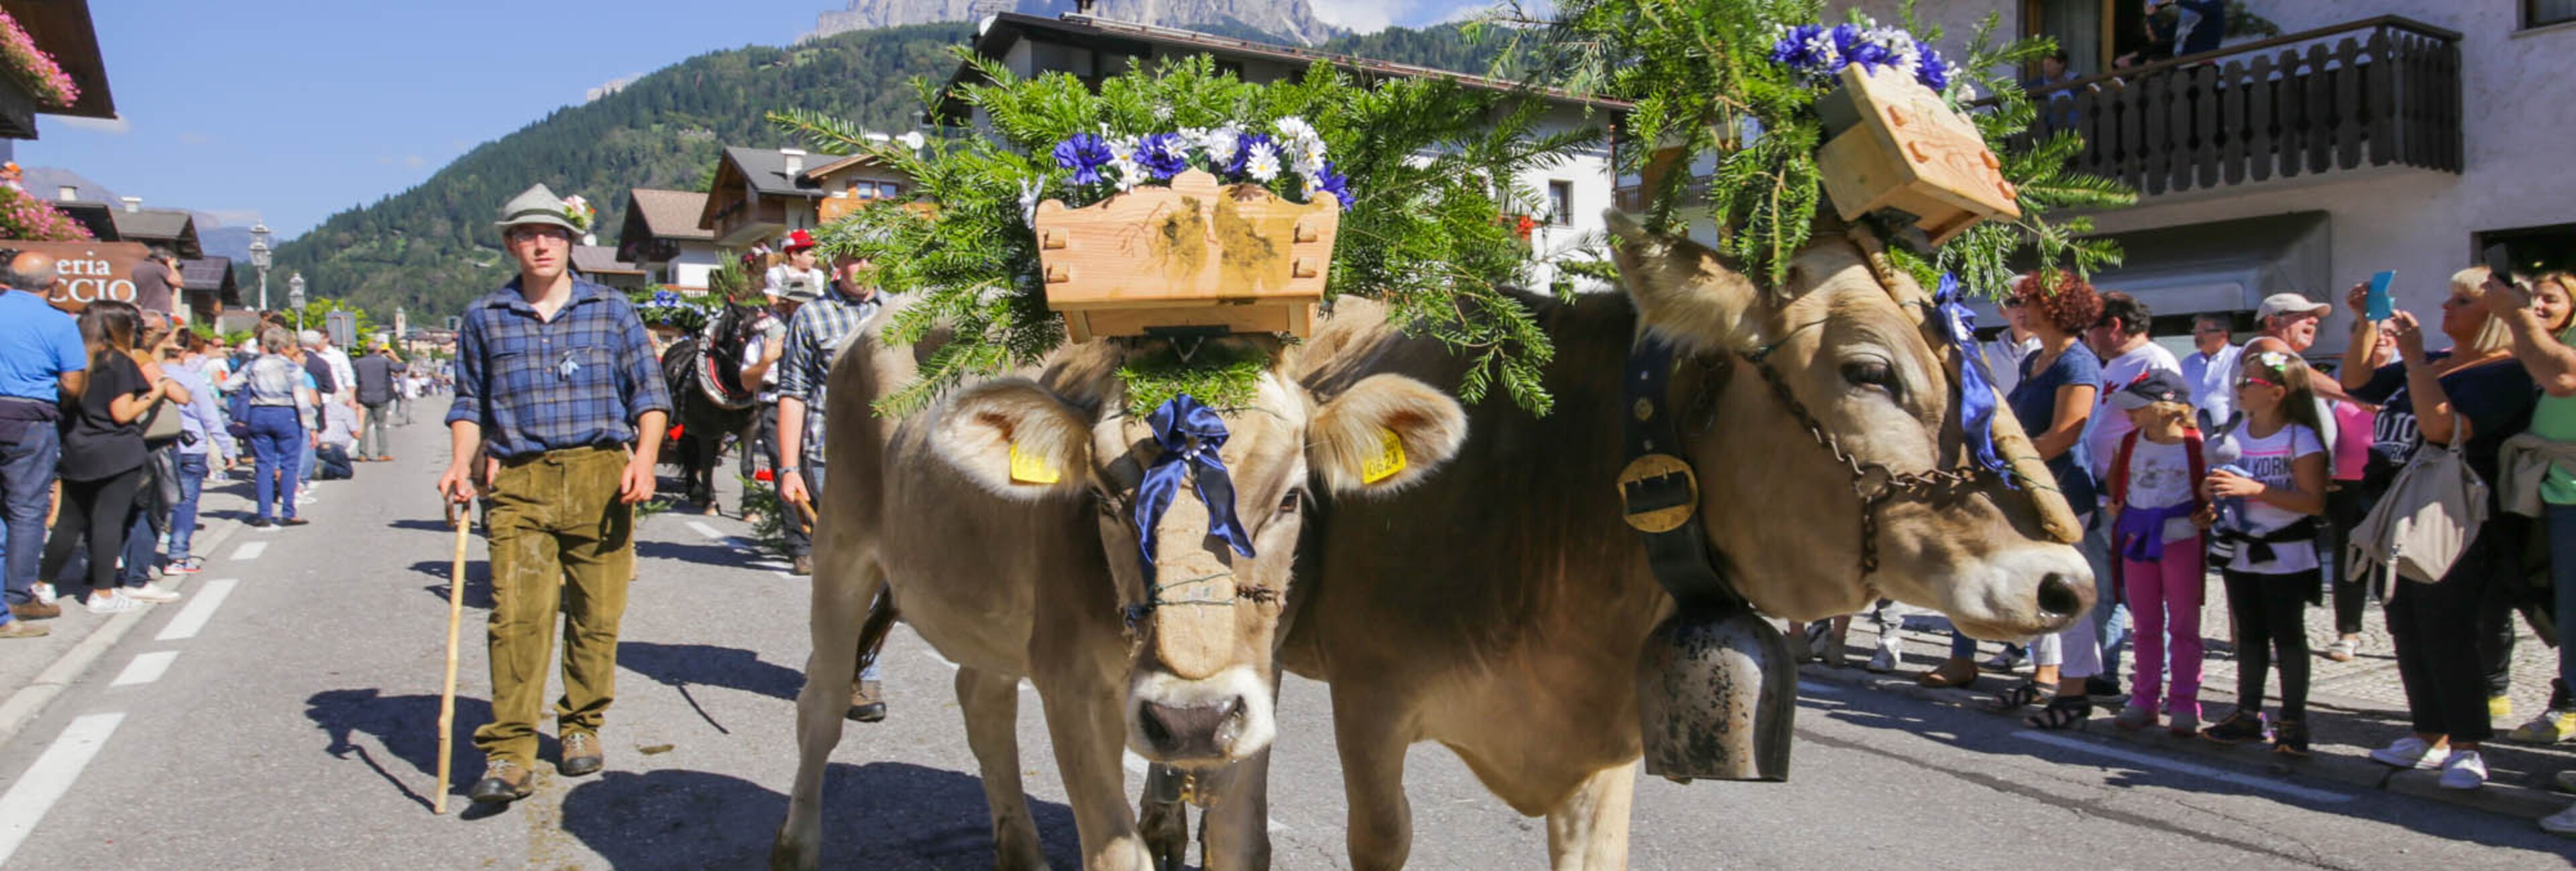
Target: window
(1560, 203)
(2535, 249)
(2542, 13)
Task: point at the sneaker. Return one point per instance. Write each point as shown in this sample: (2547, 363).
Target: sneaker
(2005, 661)
(148, 594)
(2343, 649)
(24, 629)
(188, 566)
(2238, 728)
(44, 592)
(2290, 738)
(2135, 717)
(2411, 752)
(2500, 706)
(2562, 823)
(2183, 725)
(1882, 662)
(2464, 771)
(2551, 727)
(110, 603)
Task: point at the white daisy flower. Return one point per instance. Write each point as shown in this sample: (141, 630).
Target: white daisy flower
(1264, 163)
(1030, 191)
(1219, 143)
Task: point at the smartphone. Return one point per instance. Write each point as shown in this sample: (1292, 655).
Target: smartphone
(2378, 306)
(2500, 263)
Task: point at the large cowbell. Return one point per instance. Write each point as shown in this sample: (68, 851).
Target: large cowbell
(1716, 685)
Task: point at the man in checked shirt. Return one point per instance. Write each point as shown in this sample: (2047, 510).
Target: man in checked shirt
(556, 381)
(819, 329)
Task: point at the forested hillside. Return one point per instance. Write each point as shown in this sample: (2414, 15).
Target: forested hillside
(432, 248)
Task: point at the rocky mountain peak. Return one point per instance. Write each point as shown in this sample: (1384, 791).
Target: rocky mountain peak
(1288, 21)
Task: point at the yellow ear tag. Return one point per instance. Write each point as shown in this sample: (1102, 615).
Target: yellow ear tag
(1389, 459)
(1032, 469)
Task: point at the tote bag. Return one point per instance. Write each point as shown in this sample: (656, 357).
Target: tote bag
(2433, 508)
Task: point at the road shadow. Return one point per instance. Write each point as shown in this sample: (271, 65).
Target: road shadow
(883, 815)
(406, 727)
(418, 524)
(478, 581)
(680, 666)
(698, 553)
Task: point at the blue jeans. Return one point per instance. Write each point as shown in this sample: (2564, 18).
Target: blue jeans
(305, 460)
(142, 543)
(276, 442)
(26, 492)
(2562, 577)
(183, 516)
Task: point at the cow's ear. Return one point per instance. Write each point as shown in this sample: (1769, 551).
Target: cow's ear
(1384, 434)
(1683, 290)
(1015, 439)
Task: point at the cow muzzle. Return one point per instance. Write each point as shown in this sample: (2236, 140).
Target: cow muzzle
(2021, 593)
(1200, 723)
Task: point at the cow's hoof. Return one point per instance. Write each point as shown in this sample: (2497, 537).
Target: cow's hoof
(786, 854)
(867, 702)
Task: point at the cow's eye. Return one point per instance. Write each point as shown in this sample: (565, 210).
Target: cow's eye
(1870, 373)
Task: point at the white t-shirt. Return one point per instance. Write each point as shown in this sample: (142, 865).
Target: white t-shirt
(2270, 459)
(2160, 477)
(2213, 381)
(2003, 359)
(2103, 432)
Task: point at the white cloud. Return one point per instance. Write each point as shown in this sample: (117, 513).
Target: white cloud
(1360, 16)
(118, 125)
(414, 161)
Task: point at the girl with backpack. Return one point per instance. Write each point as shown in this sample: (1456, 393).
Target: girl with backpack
(2275, 573)
(2157, 512)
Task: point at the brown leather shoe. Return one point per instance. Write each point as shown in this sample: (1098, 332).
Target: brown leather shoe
(35, 610)
(867, 702)
(503, 782)
(581, 755)
(804, 566)
(24, 629)
(1954, 672)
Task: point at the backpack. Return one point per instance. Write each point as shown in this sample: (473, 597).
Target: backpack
(2191, 449)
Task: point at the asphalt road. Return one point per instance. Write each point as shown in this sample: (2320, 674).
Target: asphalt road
(296, 729)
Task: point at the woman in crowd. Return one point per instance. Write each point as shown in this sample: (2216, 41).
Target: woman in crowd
(203, 441)
(103, 455)
(2053, 399)
(2473, 396)
(2348, 500)
(2540, 315)
(277, 433)
(2275, 573)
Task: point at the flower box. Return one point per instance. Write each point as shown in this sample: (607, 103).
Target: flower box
(1895, 145)
(1191, 257)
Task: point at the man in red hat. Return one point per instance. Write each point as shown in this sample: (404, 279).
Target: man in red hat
(797, 278)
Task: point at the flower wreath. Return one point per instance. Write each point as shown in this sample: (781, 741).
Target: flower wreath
(1288, 153)
(579, 212)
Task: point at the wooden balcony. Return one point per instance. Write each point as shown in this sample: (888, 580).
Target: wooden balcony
(2377, 92)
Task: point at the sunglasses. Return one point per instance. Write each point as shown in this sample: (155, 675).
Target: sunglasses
(2012, 303)
(2255, 381)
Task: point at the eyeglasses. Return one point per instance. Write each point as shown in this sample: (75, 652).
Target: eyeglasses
(2210, 330)
(524, 234)
(2253, 381)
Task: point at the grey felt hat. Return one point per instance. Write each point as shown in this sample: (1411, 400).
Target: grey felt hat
(537, 206)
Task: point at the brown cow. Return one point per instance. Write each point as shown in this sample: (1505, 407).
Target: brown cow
(1009, 501)
(1500, 607)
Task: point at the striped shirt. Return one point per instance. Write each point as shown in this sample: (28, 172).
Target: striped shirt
(813, 336)
(537, 385)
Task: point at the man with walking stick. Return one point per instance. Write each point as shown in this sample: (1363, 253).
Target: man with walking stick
(821, 326)
(556, 381)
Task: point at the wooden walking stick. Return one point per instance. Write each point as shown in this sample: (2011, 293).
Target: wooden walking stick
(455, 614)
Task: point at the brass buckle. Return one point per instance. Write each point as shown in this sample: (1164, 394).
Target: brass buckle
(1657, 518)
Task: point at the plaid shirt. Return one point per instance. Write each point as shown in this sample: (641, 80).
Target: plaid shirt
(814, 336)
(535, 385)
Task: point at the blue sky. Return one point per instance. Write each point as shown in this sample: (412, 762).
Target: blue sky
(289, 110)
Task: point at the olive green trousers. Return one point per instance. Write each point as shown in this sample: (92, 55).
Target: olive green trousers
(562, 544)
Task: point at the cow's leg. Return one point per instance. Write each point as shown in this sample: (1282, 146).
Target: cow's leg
(1373, 741)
(1589, 832)
(1234, 834)
(1084, 724)
(991, 704)
(1163, 820)
(842, 592)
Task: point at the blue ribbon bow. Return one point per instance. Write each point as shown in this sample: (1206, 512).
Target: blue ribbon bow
(1190, 435)
(1976, 385)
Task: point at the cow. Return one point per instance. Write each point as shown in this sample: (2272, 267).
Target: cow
(1002, 517)
(1500, 608)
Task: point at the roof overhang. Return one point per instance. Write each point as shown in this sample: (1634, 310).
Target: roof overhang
(63, 29)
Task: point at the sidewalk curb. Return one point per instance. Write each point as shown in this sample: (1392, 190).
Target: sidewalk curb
(2497, 798)
(28, 701)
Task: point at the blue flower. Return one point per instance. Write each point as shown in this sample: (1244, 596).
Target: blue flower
(664, 297)
(1933, 71)
(1332, 181)
(1243, 152)
(1163, 155)
(1084, 154)
(1792, 49)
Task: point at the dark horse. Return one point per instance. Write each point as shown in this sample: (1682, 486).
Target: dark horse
(708, 397)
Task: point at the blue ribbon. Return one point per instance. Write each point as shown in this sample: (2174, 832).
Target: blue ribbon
(1190, 435)
(1976, 385)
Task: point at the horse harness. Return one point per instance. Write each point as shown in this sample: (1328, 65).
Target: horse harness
(1659, 490)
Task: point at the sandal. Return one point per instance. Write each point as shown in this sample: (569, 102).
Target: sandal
(2061, 714)
(1953, 673)
(2342, 649)
(2021, 695)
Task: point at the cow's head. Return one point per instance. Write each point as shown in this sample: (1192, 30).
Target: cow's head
(1203, 615)
(1851, 348)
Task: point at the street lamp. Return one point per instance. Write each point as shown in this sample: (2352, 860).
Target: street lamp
(259, 258)
(295, 297)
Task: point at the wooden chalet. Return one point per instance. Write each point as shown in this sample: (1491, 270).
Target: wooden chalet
(661, 236)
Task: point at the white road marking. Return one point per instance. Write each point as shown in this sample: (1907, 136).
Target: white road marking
(200, 608)
(250, 550)
(2145, 760)
(52, 775)
(701, 528)
(145, 668)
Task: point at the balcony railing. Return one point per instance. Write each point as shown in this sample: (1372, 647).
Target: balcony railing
(2380, 91)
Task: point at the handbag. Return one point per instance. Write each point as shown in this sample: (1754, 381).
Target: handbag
(161, 424)
(2432, 510)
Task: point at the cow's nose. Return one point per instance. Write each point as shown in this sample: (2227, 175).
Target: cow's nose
(2059, 597)
(1179, 733)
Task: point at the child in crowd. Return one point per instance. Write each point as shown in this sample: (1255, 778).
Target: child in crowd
(2156, 506)
(2274, 574)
